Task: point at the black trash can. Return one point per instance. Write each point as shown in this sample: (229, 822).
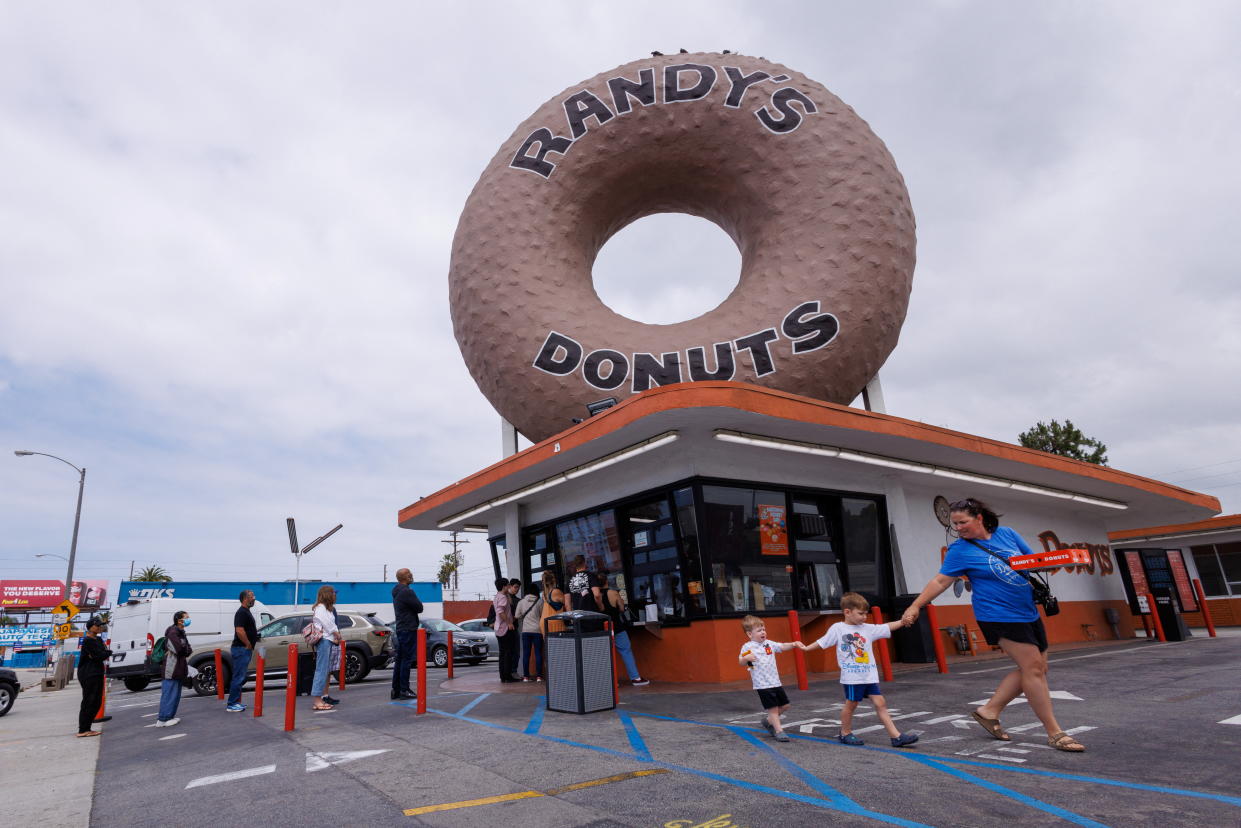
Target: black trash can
(305, 673)
(916, 644)
(579, 663)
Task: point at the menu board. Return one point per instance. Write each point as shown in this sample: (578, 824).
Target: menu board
(1133, 562)
(1180, 577)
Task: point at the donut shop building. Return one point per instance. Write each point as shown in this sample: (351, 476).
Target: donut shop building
(708, 501)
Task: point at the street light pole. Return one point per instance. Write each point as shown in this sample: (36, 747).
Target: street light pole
(77, 515)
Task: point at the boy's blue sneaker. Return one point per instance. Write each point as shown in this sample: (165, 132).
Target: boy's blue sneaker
(904, 739)
(235, 707)
(850, 739)
(770, 729)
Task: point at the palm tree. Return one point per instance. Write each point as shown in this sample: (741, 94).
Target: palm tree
(153, 573)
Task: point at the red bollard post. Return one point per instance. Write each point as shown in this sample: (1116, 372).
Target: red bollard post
(259, 666)
(101, 715)
(799, 658)
(341, 672)
(881, 646)
(422, 672)
(219, 675)
(933, 618)
(1150, 599)
(290, 692)
(451, 653)
(1202, 602)
(1146, 625)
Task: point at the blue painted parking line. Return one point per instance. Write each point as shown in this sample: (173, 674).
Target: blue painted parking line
(792, 767)
(635, 738)
(536, 718)
(740, 783)
(907, 754)
(473, 704)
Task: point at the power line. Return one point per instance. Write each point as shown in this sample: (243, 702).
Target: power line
(1195, 468)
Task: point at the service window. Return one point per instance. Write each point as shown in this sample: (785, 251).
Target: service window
(859, 520)
(747, 542)
(654, 560)
(691, 555)
(818, 565)
(593, 539)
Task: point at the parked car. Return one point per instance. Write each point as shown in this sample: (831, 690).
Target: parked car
(467, 646)
(367, 647)
(480, 626)
(136, 625)
(9, 688)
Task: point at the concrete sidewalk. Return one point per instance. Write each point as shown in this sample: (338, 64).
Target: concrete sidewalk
(48, 773)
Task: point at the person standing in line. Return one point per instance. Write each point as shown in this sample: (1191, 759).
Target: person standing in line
(245, 637)
(528, 614)
(613, 606)
(579, 584)
(1006, 613)
(175, 668)
(407, 606)
(554, 603)
(514, 591)
(324, 612)
(506, 635)
(91, 662)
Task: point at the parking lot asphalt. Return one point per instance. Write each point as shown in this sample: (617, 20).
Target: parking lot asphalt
(1154, 717)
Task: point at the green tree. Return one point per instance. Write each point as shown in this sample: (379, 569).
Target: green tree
(153, 573)
(449, 566)
(1066, 440)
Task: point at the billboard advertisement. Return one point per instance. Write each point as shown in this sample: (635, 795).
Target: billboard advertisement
(47, 594)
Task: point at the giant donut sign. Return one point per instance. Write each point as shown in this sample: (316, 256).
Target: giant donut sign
(810, 195)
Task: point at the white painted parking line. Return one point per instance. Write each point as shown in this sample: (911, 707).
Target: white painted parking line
(941, 719)
(230, 777)
(148, 715)
(325, 759)
(175, 736)
(1234, 720)
(1055, 694)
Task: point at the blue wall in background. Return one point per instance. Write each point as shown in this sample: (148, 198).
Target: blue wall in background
(278, 592)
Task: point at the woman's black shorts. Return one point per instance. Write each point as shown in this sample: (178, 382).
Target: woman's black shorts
(1022, 632)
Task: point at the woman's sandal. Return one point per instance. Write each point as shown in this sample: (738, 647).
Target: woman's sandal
(90, 733)
(1065, 742)
(992, 726)
(326, 708)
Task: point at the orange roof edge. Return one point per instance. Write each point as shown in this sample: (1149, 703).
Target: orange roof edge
(783, 405)
(1221, 522)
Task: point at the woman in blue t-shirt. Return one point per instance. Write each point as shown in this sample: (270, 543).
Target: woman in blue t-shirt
(1006, 613)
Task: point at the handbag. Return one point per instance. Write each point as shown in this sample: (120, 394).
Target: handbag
(1036, 580)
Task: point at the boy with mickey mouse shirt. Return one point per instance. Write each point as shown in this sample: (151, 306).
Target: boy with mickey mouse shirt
(852, 639)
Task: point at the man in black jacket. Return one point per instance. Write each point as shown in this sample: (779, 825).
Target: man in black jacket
(406, 605)
(91, 661)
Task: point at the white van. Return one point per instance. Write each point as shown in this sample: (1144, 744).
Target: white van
(136, 626)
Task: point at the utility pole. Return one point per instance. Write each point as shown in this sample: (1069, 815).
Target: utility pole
(385, 573)
(457, 561)
(131, 570)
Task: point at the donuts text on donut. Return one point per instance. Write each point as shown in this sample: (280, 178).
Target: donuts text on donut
(607, 368)
(777, 114)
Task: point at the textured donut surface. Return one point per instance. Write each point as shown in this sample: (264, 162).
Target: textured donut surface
(807, 191)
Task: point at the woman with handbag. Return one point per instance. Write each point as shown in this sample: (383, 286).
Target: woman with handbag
(324, 621)
(1006, 612)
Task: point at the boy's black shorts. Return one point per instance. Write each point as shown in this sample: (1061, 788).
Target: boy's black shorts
(772, 697)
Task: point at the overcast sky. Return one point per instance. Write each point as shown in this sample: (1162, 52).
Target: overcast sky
(225, 233)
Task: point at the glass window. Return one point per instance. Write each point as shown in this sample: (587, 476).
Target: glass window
(1230, 560)
(284, 626)
(746, 534)
(860, 527)
(539, 555)
(687, 523)
(499, 552)
(594, 538)
(655, 561)
(343, 622)
(1209, 570)
(818, 566)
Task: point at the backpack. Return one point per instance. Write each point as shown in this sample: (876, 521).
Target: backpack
(159, 651)
(312, 632)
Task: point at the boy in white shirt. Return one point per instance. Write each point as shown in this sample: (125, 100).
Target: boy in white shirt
(759, 655)
(852, 639)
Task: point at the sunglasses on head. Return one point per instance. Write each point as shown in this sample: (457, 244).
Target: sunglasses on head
(962, 505)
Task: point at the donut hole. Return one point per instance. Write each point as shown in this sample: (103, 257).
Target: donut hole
(666, 268)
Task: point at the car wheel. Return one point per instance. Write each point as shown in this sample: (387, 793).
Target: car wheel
(204, 682)
(136, 684)
(439, 656)
(8, 695)
(356, 667)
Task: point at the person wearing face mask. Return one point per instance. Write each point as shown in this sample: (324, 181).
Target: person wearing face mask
(176, 650)
(91, 662)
